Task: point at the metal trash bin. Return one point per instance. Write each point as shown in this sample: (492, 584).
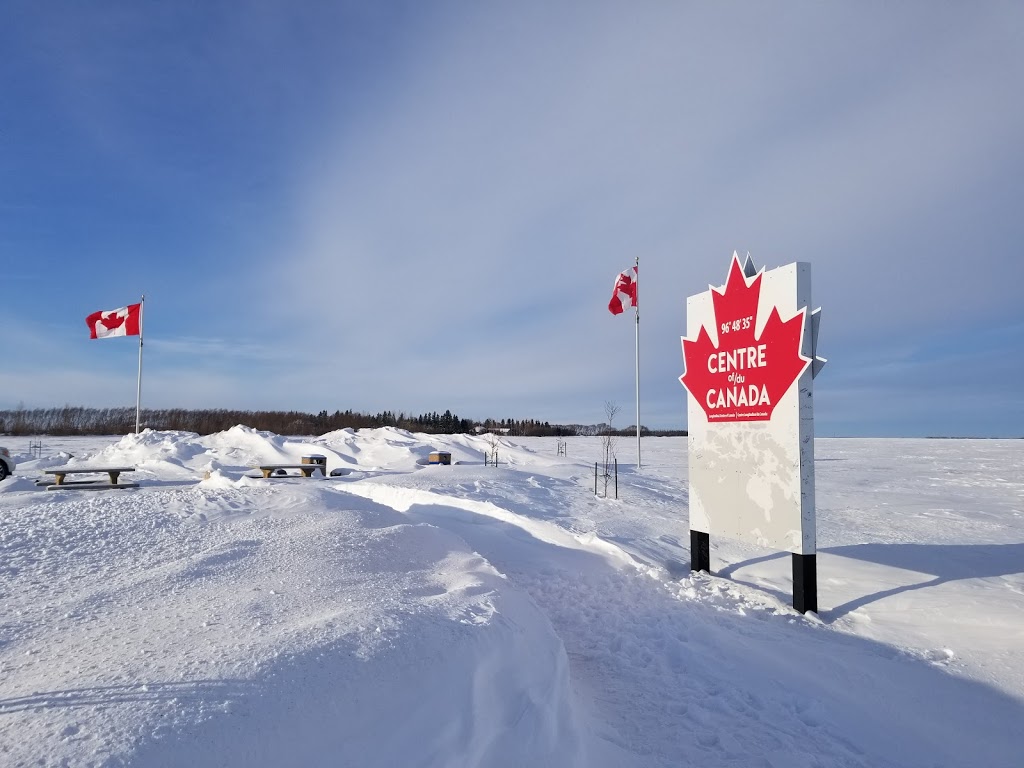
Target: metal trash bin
(319, 459)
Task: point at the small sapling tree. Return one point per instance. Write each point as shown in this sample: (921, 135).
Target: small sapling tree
(608, 455)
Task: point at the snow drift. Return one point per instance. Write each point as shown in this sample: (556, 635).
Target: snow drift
(404, 614)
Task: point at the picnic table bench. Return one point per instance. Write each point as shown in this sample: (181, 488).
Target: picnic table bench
(306, 469)
(60, 473)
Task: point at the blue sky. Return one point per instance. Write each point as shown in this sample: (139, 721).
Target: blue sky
(420, 206)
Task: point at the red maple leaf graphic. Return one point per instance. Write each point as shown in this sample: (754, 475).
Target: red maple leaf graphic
(743, 377)
(112, 321)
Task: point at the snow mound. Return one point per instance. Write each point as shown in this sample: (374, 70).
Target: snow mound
(215, 479)
(174, 447)
(161, 456)
(318, 629)
(17, 484)
(243, 447)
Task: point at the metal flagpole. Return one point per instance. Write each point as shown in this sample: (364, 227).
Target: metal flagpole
(636, 306)
(138, 393)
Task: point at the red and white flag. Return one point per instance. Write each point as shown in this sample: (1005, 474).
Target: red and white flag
(125, 321)
(624, 294)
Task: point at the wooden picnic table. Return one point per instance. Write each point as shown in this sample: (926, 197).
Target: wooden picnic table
(59, 473)
(306, 469)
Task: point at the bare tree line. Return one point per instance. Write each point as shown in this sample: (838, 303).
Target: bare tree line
(79, 420)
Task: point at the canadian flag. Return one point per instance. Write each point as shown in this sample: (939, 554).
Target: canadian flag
(624, 294)
(125, 321)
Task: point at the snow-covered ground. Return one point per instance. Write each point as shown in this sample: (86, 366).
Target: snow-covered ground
(401, 614)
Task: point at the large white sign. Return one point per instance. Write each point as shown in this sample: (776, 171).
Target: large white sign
(749, 357)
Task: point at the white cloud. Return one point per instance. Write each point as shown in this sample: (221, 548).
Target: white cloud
(523, 157)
